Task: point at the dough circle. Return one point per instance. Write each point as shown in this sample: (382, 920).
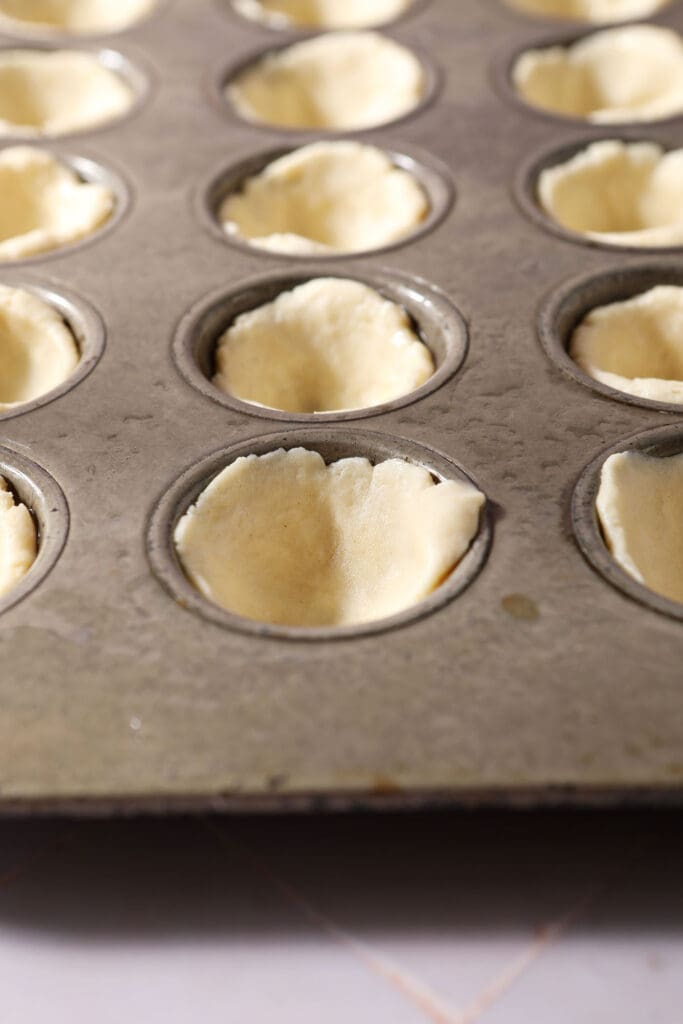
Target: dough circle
(38, 352)
(77, 17)
(329, 344)
(324, 198)
(640, 507)
(596, 11)
(620, 74)
(44, 205)
(284, 539)
(618, 193)
(322, 13)
(635, 346)
(54, 92)
(18, 539)
(340, 81)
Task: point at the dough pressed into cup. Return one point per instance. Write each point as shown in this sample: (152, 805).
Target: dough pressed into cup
(618, 193)
(38, 352)
(635, 346)
(322, 13)
(328, 345)
(339, 81)
(18, 540)
(640, 507)
(54, 92)
(620, 74)
(325, 198)
(44, 205)
(597, 11)
(283, 538)
(77, 17)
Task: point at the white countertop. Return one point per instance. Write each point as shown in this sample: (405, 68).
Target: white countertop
(555, 918)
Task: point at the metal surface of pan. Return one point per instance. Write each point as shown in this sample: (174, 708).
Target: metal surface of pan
(539, 682)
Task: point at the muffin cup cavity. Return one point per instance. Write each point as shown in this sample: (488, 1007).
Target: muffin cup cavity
(131, 84)
(566, 77)
(87, 328)
(661, 442)
(332, 444)
(80, 19)
(526, 193)
(432, 177)
(236, 85)
(565, 308)
(360, 14)
(89, 171)
(588, 11)
(43, 497)
(435, 319)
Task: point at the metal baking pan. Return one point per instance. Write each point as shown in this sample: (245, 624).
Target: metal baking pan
(536, 676)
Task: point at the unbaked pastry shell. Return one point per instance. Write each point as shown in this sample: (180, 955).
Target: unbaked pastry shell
(621, 74)
(18, 540)
(325, 198)
(38, 352)
(328, 345)
(618, 193)
(597, 11)
(337, 14)
(635, 346)
(54, 92)
(76, 17)
(44, 205)
(284, 539)
(338, 81)
(640, 506)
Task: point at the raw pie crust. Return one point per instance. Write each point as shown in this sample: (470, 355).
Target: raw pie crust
(18, 541)
(338, 81)
(78, 17)
(635, 346)
(325, 198)
(598, 11)
(640, 505)
(37, 350)
(58, 91)
(322, 13)
(44, 205)
(621, 74)
(329, 344)
(282, 538)
(619, 193)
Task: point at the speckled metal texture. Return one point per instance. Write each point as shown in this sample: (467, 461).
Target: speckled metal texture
(539, 682)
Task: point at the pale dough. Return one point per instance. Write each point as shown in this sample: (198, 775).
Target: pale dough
(598, 11)
(640, 506)
(18, 540)
(322, 13)
(44, 205)
(621, 74)
(338, 81)
(283, 538)
(635, 346)
(619, 193)
(78, 17)
(329, 344)
(54, 92)
(38, 352)
(326, 197)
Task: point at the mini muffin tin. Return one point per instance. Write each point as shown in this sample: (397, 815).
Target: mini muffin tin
(529, 677)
